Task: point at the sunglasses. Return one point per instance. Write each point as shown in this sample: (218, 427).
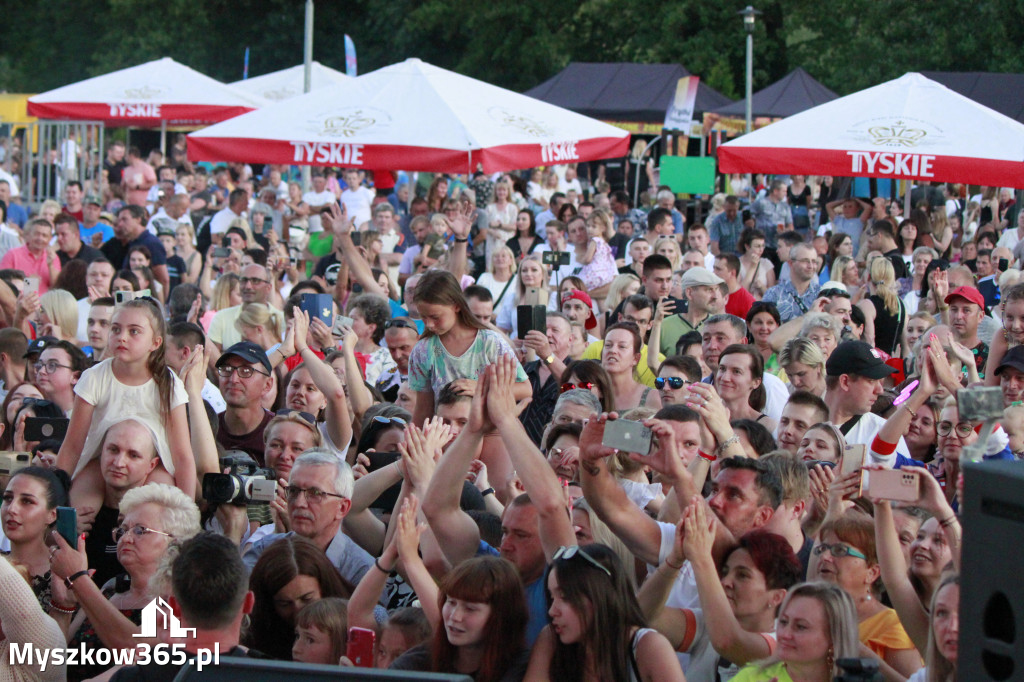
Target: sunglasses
(585, 385)
(400, 324)
(568, 553)
(304, 416)
(673, 382)
(390, 420)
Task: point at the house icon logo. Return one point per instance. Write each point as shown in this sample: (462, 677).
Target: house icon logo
(160, 611)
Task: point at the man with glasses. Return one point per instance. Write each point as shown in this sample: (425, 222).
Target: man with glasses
(256, 287)
(245, 376)
(674, 375)
(794, 298)
(57, 371)
(319, 495)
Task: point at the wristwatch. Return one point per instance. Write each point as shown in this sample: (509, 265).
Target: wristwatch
(69, 582)
(549, 359)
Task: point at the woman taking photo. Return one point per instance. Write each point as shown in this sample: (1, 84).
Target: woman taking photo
(597, 629)
(884, 313)
(739, 383)
(526, 239)
(482, 630)
(763, 319)
(29, 513)
(757, 274)
(620, 356)
(11, 406)
(817, 626)
(499, 276)
(530, 288)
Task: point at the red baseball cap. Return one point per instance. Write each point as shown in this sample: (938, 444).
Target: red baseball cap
(969, 293)
(585, 298)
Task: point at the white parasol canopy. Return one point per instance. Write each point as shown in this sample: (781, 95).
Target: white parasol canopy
(288, 83)
(157, 93)
(412, 116)
(909, 128)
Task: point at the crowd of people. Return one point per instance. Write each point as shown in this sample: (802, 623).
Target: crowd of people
(411, 396)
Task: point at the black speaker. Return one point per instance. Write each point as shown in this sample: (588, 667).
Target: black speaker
(991, 584)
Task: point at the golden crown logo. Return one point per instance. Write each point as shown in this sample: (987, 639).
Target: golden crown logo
(897, 135)
(524, 123)
(347, 125)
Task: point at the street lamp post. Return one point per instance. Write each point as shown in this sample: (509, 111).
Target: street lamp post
(749, 19)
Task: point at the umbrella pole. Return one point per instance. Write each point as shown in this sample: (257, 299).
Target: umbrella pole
(163, 137)
(906, 199)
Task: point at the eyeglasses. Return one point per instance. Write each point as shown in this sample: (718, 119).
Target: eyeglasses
(568, 553)
(838, 550)
(50, 366)
(244, 371)
(254, 281)
(313, 495)
(400, 324)
(963, 429)
(586, 385)
(805, 261)
(304, 416)
(390, 420)
(673, 382)
(137, 530)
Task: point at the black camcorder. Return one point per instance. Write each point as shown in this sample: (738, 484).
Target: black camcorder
(244, 483)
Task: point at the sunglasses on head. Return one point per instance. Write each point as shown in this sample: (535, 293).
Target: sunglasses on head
(568, 553)
(400, 324)
(390, 420)
(585, 385)
(304, 416)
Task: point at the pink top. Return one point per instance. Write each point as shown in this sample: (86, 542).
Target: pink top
(22, 259)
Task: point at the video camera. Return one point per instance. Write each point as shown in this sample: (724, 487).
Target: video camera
(245, 483)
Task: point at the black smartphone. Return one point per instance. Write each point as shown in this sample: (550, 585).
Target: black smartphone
(558, 258)
(67, 525)
(627, 436)
(531, 318)
(379, 460)
(1004, 264)
(40, 428)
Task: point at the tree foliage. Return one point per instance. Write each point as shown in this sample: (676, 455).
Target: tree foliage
(849, 46)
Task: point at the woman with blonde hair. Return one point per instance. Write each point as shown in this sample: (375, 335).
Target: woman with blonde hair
(58, 315)
(227, 293)
(501, 218)
(884, 312)
(243, 224)
(530, 289)
(499, 276)
(621, 288)
(844, 269)
(49, 210)
(371, 245)
(256, 323)
(184, 247)
(669, 248)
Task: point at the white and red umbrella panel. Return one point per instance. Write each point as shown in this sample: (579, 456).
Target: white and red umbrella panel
(288, 83)
(160, 92)
(412, 116)
(910, 128)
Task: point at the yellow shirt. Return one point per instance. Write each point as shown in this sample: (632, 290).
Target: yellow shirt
(642, 373)
(883, 632)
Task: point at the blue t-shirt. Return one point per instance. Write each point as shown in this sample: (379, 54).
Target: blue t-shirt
(102, 228)
(536, 600)
(17, 214)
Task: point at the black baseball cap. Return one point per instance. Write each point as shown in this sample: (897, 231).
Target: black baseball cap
(857, 357)
(248, 351)
(37, 346)
(1014, 358)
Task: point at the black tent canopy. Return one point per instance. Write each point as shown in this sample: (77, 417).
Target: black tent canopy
(797, 91)
(621, 91)
(1002, 92)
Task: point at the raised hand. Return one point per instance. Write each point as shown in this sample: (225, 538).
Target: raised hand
(501, 403)
(417, 457)
(339, 220)
(300, 329)
(699, 533)
(664, 456)
(407, 536)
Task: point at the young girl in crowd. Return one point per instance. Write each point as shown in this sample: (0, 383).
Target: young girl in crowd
(597, 629)
(136, 382)
(321, 632)
(593, 253)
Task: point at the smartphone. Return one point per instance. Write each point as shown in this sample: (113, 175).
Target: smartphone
(341, 321)
(379, 460)
(534, 296)
(31, 285)
(853, 460)
(892, 484)
(40, 428)
(556, 258)
(1004, 264)
(360, 647)
(531, 318)
(221, 252)
(627, 436)
(318, 305)
(67, 525)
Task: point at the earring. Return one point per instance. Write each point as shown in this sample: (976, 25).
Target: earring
(830, 659)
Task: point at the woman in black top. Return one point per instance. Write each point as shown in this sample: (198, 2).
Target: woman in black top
(885, 315)
(526, 239)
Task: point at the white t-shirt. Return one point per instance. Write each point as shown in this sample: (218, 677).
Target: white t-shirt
(113, 402)
(221, 220)
(314, 199)
(777, 394)
(358, 202)
(864, 432)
